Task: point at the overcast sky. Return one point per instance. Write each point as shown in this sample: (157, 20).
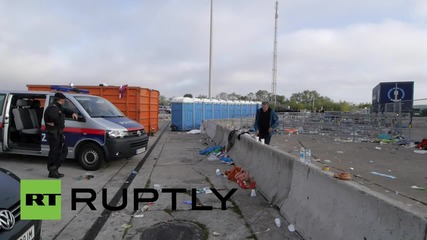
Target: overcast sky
(341, 49)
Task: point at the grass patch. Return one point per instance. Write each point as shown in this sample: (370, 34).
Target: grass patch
(238, 211)
(204, 229)
(148, 183)
(210, 183)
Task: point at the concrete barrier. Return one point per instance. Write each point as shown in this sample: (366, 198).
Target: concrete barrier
(320, 206)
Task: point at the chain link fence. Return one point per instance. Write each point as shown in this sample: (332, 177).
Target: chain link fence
(351, 126)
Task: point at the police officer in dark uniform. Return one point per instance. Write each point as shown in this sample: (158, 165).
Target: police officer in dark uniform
(54, 117)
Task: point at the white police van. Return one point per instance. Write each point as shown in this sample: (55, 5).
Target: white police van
(102, 132)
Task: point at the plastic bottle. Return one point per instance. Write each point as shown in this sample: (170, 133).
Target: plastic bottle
(308, 155)
(302, 154)
(218, 172)
(277, 221)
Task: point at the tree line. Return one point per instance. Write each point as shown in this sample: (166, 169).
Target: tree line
(306, 100)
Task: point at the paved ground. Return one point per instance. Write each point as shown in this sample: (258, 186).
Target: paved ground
(404, 168)
(174, 162)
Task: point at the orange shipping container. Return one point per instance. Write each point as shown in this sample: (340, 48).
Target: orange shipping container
(139, 104)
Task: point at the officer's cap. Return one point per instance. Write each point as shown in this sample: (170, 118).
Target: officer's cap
(59, 95)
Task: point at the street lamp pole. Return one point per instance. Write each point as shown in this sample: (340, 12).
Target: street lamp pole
(210, 53)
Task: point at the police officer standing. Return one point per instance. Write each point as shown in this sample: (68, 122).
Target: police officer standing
(54, 117)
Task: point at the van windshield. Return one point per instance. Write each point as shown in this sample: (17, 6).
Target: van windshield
(98, 107)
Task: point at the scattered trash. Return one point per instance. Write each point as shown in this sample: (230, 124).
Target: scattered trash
(325, 168)
(371, 161)
(226, 159)
(268, 229)
(384, 136)
(78, 178)
(158, 187)
(422, 144)
(212, 157)
(88, 176)
(134, 172)
(418, 188)
(291, 228)
(383, 175)
(277, 221)
(204, 190)
(291, 130)
(341, 152)
(343, 176)
(188, 202)
(218, 172)
(420, 151)
(145, 208)
(410, 145)
(215, 233)
(378, 148)
(209, 150)
(139, 215)
(253, 193)
(126, 226)
(328, 161)
(351, 168)
(247, 185)
(194, 131)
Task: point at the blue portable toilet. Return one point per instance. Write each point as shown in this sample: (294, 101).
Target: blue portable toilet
(253, 108)
(182, 113)
(198, 112)
(231, 109)
(207, 109)
(238, 109)
(216, 109)
(245, 108)
(224, 109)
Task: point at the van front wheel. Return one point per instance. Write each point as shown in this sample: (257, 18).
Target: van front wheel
(91, 157)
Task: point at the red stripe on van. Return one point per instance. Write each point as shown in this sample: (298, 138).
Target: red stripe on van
(134, 129)
(80, 130)
(84, 130)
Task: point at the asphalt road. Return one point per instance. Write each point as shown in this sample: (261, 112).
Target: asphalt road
(173, 161)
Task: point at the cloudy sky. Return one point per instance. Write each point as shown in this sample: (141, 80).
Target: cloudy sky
(341, 49)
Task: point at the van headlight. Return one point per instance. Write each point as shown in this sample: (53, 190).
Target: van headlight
(116, 133)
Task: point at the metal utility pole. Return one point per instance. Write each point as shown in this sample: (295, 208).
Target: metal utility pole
(210, 53)
(274, 82)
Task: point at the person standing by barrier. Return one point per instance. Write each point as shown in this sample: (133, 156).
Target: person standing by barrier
(266, 121)
(54, 118)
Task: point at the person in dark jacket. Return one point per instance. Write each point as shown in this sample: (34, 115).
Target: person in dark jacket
(266, 121)
(54, 117)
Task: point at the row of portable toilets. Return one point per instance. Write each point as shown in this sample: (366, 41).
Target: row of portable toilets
(189, 113)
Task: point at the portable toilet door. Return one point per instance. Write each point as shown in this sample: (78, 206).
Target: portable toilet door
(216, 109)
(253, 108)
(182, 113)
(231, 109)
(238, 109)
(224, 109)
(198, 112)
(244, 109)
(208, 109)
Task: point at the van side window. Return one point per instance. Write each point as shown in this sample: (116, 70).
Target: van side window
(2, 98)
(70, 106)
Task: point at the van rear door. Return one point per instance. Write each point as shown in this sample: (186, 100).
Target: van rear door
(4, 121)
(22, 122)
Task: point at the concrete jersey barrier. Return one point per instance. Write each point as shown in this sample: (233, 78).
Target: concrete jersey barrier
(319, 206)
